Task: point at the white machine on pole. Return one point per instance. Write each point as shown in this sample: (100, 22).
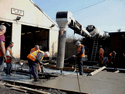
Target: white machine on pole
(64, 19)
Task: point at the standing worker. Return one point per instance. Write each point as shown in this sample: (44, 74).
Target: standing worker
(80, 56)
(2, 47)
(101, 55)
(9, 58)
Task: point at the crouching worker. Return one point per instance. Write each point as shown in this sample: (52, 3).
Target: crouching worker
(35, 58)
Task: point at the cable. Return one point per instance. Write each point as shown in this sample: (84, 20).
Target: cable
(88, 6)
(78, 82)
(85, 7)
(77, 77)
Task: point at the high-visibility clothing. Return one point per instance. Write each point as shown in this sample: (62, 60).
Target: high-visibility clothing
(109, 57)
(32, 50)
(39, 67)
(101, 52)
(79, 50)
(9, 60)
(1, 53)
(33, 56)
(101, 55)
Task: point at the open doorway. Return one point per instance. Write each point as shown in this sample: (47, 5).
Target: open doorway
(31, 36)
(8, 34)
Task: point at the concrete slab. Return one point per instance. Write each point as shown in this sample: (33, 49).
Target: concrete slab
(101, 83)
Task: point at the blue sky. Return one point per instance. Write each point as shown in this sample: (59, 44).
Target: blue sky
(107, 15)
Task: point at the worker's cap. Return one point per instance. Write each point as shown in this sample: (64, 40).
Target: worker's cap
(78, 42)
(113, 52)
(46, 54)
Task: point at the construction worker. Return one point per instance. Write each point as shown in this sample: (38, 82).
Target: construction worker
(2, 47)
(31, 51)
(80, 56)
(34, 49)
(9, 58)
(35, 58)
(101, 55)
(112, 59)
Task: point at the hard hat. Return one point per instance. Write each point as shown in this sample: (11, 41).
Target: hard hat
(78, 42)
(113, 52)
(46, 54)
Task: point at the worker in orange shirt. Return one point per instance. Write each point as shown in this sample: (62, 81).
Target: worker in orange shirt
(113, 59)
(101, 55)
(2, 47)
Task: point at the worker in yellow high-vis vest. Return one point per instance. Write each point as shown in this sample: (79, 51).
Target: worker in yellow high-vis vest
(29, 61)
(35, 58)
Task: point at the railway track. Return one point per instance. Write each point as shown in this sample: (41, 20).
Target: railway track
(34, 88)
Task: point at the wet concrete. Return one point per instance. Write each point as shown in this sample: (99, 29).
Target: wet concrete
(101, 83)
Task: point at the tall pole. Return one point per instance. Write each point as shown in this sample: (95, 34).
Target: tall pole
(61, 48)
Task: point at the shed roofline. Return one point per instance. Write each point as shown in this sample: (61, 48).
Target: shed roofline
(43, 12)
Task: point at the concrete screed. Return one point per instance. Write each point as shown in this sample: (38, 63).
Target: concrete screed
(101, 83)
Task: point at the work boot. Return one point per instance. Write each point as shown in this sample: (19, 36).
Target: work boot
(36, 79)
(31, 76)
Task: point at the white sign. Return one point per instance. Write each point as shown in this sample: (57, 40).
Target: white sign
(17, 12)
